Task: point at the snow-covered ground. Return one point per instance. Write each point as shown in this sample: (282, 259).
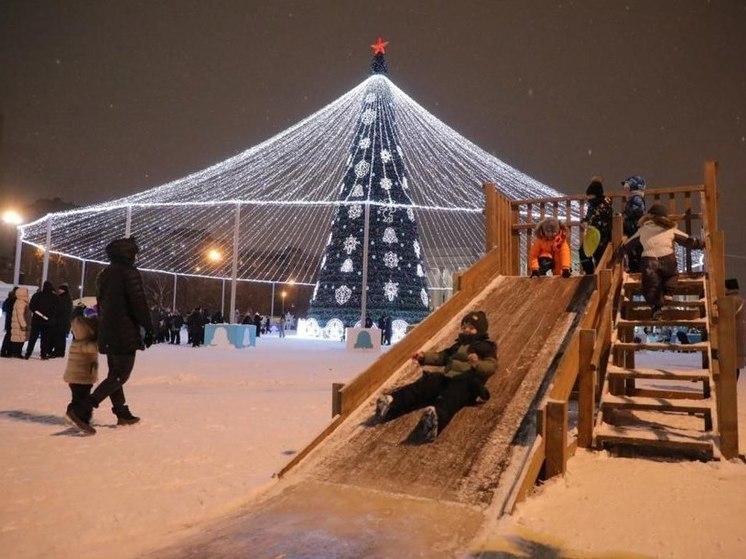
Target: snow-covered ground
(217, 423)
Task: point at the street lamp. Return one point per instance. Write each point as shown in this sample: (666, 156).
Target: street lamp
(213, 255)
(12, 217)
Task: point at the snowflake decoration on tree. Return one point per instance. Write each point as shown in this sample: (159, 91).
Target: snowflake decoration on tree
(386, 183)
(369, 115)
(423, 296)
(364, 143)
(391, 259)
(370, 97)
(390, 290)
(410, 214)
(387, 214)
(420, 271)
(350, 244)
(346, 265)
(354, 211)
(357, 191)
(404, 183)
(385, 155)
(416, 246)
(361, 168)
(389, 236)
(342, 294)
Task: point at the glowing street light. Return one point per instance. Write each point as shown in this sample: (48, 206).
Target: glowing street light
(12, 217)
(214, 255)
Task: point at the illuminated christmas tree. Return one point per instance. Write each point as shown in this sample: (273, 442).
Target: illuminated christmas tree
(375, 177)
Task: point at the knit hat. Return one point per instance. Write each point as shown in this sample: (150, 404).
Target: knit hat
(635, 182)
(596, 188)
(477, 319)
(47, 286)
(658, 210)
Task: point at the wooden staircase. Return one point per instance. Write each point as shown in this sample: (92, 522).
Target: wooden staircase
(666, 411)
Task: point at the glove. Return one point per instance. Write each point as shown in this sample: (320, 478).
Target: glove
(566, 273)
(148, 338)
(535, 273)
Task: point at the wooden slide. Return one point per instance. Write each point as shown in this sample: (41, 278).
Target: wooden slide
(370, 489)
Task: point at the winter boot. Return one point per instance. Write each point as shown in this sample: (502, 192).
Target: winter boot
(383, 405)
(124, 416)
(482, 391)
(80, 419)
(428, 425)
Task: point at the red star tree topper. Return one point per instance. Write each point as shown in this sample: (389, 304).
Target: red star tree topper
(380, 46)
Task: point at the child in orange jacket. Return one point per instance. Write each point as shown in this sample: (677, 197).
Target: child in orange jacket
(550, 250)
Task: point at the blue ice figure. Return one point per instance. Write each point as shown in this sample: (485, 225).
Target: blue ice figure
(363, 341)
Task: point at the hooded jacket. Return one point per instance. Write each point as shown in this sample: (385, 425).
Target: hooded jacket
(20, 322)
(657, 235)
(45, 306)
(82, 357)
(122, 305)
(558, 249)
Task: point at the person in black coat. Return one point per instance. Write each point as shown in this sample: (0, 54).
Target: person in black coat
(8, 314)
(123, 314)
(64, 318)
(196, 327)
(44, 306)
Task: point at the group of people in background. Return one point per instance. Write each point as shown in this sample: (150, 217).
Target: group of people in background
(44, 317)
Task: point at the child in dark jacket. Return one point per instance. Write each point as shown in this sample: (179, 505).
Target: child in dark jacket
(81, 372)
(634, 209)
(467, 364)
(660, 272)
(599, 215)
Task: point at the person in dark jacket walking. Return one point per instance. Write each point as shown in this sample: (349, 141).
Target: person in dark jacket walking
(8, 314)
(62, 324)
(44, 306)
(467, 364)
(123, 314)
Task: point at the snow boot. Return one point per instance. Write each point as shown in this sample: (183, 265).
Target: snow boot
(383, 405)
(78, 420)
(429, 424)
(124, 416)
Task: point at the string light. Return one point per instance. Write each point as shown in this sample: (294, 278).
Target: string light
(288, 188)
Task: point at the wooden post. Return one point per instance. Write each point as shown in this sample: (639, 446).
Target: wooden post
(337, 398)
(727, 399)
(490, 216)
(515, 240)
(586, 389)
(711, 195)
(556, 431)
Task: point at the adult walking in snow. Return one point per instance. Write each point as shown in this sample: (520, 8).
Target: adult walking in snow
(660, 273)
(123, 312)
(44, 305)
(467, 364)
(20, 322)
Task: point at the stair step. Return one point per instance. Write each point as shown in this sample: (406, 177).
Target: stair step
(699, 346)
(659, 374)
(689, 323)
(671, 439)
(687, 304)
(655, 404)
(686, 286)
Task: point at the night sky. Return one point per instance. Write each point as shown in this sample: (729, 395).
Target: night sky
(102, 99)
